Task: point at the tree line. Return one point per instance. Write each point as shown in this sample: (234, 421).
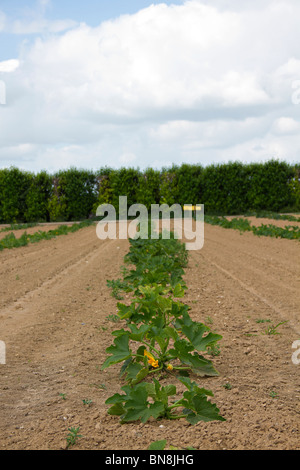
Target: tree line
(74, 194)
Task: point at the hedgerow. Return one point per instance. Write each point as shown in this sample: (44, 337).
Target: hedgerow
(74, 194)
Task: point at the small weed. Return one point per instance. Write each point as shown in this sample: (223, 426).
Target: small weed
(99, 386)
(73, 436)
(63, 396)
(113, 318)
(87, 402)
(227, 386)
(102, 328)
(273, 394)
(214, 350)
(272, 330)
(263, 321)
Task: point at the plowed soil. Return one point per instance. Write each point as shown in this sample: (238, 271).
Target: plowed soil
(56, 320)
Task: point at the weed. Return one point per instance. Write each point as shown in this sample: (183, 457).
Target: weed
(99, 386)
(272, 330)
(73, 436)
(214, 350)
(87, 402)
(227, 386)
(113, 318)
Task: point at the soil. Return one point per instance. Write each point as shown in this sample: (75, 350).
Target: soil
(56, 321)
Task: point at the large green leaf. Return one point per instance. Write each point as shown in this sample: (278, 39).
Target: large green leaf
(201, 409)
(199, 364)
(119, 351)
(138, 407)
(195, 334)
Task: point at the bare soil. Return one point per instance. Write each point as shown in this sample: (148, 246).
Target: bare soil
(55, 312)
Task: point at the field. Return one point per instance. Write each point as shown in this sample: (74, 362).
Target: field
(57, 314)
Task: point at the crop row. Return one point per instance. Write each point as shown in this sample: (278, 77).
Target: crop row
(273, 215)
(159, 339)
(244, 225)
(10, 241)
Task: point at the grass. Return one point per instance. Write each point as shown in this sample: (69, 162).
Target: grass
(272, 330)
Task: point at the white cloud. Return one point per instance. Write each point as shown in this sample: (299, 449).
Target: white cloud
(41, 25)
(127, 158)
(286, 125)
(190, 82)
(9, 65)
(34, 21)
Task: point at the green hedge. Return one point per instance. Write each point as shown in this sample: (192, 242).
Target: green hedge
(74, 194)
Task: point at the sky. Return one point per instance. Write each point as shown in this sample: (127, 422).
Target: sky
(148, 83)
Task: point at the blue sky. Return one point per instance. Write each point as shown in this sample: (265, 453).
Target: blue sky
(148, 83)
(92, 12)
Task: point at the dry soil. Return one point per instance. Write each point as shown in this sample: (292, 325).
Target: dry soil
(55, 319)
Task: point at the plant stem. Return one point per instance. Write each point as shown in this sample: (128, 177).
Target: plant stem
(151, 347)
(176, 416)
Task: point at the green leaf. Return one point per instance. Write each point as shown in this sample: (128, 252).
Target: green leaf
(144, 412)
(120, 351)
(193, 387)
(178, 291)
(202, 410)
(170, 390)
(158, 445)
(138, 334)
(138, 407)
(125, 311)
(200, 365)
(116, 410)
(116, 398)
(171, 332)
(195, 333)
(140, 375)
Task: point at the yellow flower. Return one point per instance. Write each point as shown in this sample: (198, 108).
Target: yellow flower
(169, 367)
(151, 359)
(153, 363)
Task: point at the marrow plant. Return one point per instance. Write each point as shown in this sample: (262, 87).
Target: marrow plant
(159, 337)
